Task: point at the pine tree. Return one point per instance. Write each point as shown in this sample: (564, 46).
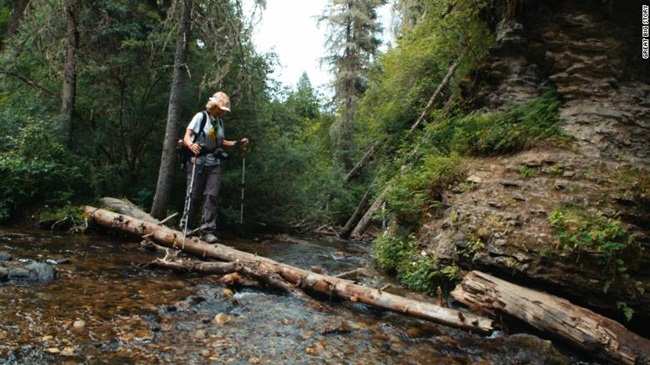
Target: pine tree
(353, 45)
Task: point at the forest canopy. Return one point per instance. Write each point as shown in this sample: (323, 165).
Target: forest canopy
(86, 88)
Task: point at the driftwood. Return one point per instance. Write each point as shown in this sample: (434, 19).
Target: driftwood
(558, 317)
(300, 278)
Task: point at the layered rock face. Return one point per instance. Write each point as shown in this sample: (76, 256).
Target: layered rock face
(589, 51)
(498, 220)
(594, 57)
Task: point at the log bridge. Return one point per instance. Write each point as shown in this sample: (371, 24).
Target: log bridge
(480, 292)
(305, 280)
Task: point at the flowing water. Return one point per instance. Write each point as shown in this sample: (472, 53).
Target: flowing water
(107, 306)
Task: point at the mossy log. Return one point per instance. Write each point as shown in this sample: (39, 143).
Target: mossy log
(300, 278)
(589, 331)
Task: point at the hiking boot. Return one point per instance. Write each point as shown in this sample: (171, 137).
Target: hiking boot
(209, 238)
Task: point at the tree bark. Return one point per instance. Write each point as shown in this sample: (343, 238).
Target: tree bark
(306, 280)
(124, 206)
(581, 327)
(356, 170)
(365, 221)
(17, 11)
(69, 89)
(356, 216)
(168, 158)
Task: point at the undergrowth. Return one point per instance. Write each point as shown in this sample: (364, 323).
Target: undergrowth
(416, 269)
(438, 165)
(603, 241)
(487, 134)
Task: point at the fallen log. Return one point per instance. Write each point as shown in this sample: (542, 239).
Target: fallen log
(126, 207)
(356, 216)
(306, 280)
(365, 221)
(555, 316)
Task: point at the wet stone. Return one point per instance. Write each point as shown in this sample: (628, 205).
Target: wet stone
(34, 272)
(4, 256)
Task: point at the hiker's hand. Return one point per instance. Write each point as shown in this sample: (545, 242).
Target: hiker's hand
(244, 141)
(195, 148)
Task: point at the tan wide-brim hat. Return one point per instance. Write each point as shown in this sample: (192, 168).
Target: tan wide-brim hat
(222, 100)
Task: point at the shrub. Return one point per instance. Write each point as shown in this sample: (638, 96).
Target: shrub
(391, 251)
(420, 189)
(584, 233)
(35, 169)
(415, 269)
(483, 134)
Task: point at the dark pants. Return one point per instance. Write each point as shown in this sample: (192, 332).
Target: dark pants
(205, 190)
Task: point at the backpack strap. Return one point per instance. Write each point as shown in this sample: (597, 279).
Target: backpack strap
(204, 119)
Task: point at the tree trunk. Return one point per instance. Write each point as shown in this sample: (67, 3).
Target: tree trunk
(168, 158)
(356, 170)
(69, 89)
(126, 207)
(358, 213)
(17, 11)
(365, 221)
(581, 327)
(306, 280)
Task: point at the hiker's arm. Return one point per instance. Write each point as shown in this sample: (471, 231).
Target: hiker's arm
(228, 143)
(187, 139)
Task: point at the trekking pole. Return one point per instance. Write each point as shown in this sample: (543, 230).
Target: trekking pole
(243, 175)
(188, 201)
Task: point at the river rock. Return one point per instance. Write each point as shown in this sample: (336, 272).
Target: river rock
(4, 256)
(35, 271)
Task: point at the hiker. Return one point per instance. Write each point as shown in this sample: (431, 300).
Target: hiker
(204, 174)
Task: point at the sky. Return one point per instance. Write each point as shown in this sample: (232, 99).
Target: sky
(289, 27)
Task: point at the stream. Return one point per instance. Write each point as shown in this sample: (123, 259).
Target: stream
(107, 306)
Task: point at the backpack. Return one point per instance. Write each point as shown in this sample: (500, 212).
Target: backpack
(184, 153)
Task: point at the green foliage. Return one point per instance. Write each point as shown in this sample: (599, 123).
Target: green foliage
(627, 312)
(585, 234)
(480, 134)
(472, 248)
(415, 269)
(391, 251)
(583, 231)
(406, 76)
(419, 189)
(418, 274)
(527, 172)
(35, 168)
(69, 218)
(288, 167)
(5, 11)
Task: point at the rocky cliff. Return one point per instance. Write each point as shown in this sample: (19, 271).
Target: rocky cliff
(504, 218)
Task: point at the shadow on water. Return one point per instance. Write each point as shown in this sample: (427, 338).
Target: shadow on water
(107, 308)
